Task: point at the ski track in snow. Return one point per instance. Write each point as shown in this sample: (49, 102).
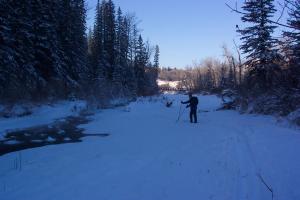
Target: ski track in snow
(151, 157)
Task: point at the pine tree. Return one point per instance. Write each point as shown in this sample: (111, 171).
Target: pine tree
(73, 38)
(133, 41)
(90, 76)
(129, 79)
(98, 77)
(155, 70)
(80, 38)
(258, 43)
(119, 27)
(90, 41)
(132, 38)
(47, 52)
(119, 62)
(156, 62)
(109, 23)
(8, 64)
(97, 43)
(294, 34)
(140, 65)
(22, 78)
(156, 57)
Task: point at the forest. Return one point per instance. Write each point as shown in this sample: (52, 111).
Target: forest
(47, 53)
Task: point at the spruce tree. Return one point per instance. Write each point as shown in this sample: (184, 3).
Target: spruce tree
(109, 23)
(155, 68)
(258, 43)
(294, 34)
(90, 42)
(73, 38)
(47, 55)
(119, 62)
(97, 43)
(129, 79)
(140, 65)
(156, 57)
(8, 64)
(80, 38)
(23, 78)
(119, 27)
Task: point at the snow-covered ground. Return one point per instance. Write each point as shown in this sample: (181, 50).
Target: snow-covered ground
(149, 156)
(41, 115)
(171, 84)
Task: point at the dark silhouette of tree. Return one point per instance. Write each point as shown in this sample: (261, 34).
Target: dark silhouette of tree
(258, 43)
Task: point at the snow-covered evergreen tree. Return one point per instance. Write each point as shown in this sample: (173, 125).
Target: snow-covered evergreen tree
(119, 29)
(120, 64)
(96, 45)
(8, 64)
(44, 48)
(21, 77)
(48, 57)
(45, 51)
(109, 35)
(73, 38)
(156, 57)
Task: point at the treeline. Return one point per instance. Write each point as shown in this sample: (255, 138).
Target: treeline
(268, 79)
(47, 54)
(171, 74)
(271, 80)
(272, 76)
(42, 48)
(119, 59)
(210, 75)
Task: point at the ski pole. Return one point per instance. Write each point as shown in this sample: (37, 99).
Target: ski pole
(179, 114)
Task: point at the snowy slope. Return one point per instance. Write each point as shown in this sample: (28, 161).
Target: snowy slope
(149, 156)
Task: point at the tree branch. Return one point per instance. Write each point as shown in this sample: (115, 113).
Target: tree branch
(267, 186)
(282, 11)
(271, 21)
(235, 9)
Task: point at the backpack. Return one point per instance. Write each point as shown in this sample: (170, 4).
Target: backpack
(194, 101)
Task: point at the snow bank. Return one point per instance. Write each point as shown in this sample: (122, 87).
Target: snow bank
(171, 84)
(294, 117)
(16, 111)
(41, 115)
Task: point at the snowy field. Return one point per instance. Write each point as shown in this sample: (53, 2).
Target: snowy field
(226, 156)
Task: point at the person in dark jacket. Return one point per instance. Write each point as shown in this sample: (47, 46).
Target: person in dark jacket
(192, 104)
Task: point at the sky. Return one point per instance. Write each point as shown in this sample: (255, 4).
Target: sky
(185, 30)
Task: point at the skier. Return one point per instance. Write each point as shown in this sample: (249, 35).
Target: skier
(192, 104)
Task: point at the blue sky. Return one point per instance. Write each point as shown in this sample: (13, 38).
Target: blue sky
(185, 30)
